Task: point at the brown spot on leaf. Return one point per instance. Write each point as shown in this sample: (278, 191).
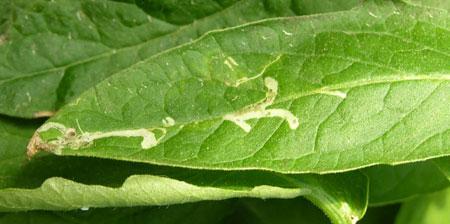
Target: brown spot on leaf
(36, 144)
(32, 147)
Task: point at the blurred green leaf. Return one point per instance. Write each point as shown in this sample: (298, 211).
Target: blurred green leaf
(433, 208)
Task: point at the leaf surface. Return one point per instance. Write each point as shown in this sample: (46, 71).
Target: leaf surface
(433, 208)
(438, 4)
(325, 93)
(444, 165)
(65, 47)
(5, 18)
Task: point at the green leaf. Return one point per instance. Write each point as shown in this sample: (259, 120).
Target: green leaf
(67, 46)
(438, 4)
(342, 201)
(308, 7)
(50, 182)
(325, 93)
(433, 208)
(5, 19)
(14, 134)
(390, 184)
(444, 165)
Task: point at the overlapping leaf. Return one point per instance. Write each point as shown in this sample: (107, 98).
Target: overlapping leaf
(50, 182)
(102, 180)
(431, 208)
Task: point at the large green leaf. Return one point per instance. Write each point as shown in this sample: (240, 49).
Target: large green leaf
(321, 94)
(390, 184)
(51, 51)
(50, 182)
(433, 208)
